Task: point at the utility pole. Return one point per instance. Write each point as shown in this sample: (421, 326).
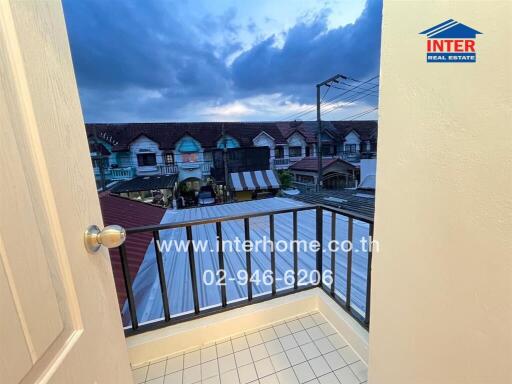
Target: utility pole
(225, 161)
(327, 83)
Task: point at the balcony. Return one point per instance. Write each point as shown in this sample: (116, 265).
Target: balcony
(369, 155)
(207, 168)
(122, 173)
(282, 163)
(115, 174)
(296, 158)
(182, 307)
(303, 347)
(350, 156)
(168, 169)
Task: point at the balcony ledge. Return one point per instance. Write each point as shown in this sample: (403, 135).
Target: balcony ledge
(157, 344)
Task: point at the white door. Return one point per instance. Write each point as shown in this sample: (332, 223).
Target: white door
(59, 317)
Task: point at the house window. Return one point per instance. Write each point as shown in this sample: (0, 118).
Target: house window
(295, 151)
(328, 150)
(308, 151)
(352, 148)
(279, 152)
(169, 158)
(146, 159)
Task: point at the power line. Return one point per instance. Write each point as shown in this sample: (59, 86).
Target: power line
(330, 102)
(357, 115)
(306, 109)
(373, 92)
(351, 99)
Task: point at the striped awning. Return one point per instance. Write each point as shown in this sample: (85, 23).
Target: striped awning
(254, 180)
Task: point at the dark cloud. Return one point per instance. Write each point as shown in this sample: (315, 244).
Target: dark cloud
(312, 53)
(159, 61)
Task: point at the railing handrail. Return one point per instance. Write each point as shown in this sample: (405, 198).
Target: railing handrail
(213, 220)
(198, 312)
(249, 215)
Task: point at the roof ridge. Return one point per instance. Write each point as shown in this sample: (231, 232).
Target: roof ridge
(110, 194)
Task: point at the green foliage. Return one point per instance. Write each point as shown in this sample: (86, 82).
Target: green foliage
(285, 178)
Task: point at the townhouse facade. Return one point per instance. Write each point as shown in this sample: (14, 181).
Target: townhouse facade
(125, 151)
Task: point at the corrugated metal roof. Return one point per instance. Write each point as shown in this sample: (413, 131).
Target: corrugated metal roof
(347, 199)
(146, 286)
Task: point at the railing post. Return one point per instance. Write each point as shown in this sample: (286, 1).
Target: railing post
(218, 225)
(128, 287)
(319, 238)
(248, 259)
(161, 275)
(369, 278)
(333, 254)
(272, 254)
(348, 290)
(192, 265)
(295, 253)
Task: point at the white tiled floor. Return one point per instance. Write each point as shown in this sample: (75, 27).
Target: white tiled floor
(301, 350)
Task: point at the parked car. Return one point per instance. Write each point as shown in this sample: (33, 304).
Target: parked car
(206, 196)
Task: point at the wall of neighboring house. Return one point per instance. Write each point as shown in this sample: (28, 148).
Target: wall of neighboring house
(190, 164)
(351, 139)
(264, 140)
(144, 145)
(304, 176)
(124, 159)
(441, 295)
(108, 160)
(368, 167)
(297, 140)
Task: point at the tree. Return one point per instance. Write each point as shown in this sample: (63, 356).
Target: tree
(285, 178)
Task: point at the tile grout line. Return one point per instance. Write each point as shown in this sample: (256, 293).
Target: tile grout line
(263, 343)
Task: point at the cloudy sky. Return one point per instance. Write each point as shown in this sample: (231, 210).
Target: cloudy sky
(222, 60)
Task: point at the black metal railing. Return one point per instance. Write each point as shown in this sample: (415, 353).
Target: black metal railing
(345, 301)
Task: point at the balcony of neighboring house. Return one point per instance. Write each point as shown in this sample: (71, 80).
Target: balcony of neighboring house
(296, 153)
(281, 163)
(207, 168)
(111, 172)
(350, 156)
(123, 173)
(168, 169)
(193, 314)
(283, 159)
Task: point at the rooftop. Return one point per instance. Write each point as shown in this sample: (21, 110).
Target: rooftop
(208, 133)
(353, 200)
(128, 213)
(311, 163)
(145, 183)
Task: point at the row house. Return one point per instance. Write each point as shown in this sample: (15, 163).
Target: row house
(124, 151)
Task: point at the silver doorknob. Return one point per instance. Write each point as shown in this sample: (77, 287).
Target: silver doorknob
(111, 236)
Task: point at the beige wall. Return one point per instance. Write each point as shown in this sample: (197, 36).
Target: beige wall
(442, 282)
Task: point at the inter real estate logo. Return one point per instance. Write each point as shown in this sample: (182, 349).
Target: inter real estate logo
(451, 42)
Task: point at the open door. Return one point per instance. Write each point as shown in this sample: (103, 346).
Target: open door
(59, 318)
